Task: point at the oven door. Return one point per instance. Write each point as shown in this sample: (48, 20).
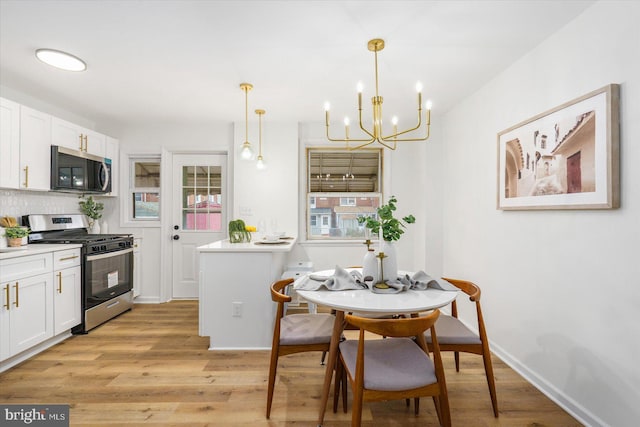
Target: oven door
(107, 275)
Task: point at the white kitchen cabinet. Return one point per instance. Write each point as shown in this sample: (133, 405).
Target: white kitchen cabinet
(27, 303)
(67, 304)
(76, 137)
(35, 149)
(112, 152)
(9, 144)
(137, 262)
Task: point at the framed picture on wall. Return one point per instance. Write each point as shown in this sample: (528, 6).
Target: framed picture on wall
(564, 158)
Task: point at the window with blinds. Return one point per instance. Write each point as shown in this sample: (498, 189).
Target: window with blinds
(342, 185)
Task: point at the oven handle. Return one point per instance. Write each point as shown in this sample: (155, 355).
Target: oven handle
(109, 254)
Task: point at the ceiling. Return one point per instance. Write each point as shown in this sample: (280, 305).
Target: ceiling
(182, 61)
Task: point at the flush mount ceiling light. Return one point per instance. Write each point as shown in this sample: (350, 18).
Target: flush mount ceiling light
(246, 152)
(376, 134)
(61, 60)
(260, 164)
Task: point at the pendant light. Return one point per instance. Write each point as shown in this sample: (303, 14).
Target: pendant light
(246, 152)
(260, 164)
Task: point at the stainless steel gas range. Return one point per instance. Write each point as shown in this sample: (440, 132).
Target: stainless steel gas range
(107, 264)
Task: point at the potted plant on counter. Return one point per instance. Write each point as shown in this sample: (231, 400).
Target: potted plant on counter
(15, 235)
(391, 229)
(92, 210)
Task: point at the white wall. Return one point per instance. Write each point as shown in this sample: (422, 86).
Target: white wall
(270, 196)
(561, 290)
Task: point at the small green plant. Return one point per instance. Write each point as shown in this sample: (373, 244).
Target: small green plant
(392, 228)
(16, 232)
(91, 208)
(238, 232)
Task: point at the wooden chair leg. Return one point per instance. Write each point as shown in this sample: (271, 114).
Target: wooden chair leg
(337, 386)
(456, 356)
(356, 411)
(344, 390)
(436, 403)
(324, 356)
(488, 369)
(416, 401)
(273, 366)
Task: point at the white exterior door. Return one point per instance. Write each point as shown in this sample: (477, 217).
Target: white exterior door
(199, 214)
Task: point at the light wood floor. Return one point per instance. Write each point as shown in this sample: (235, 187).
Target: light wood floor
(149, 367)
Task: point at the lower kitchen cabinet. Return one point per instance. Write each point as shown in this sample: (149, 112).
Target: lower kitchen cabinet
(38, 302)
(67, 290)
(30, 319)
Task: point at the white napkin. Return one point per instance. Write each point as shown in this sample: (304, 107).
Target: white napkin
(341, 280)
(421, 281)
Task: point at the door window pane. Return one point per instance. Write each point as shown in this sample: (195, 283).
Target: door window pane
(202, 198)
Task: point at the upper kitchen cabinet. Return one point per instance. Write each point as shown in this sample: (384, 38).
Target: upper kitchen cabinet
(9, 144)
(75, 137)
(112, 152)
(35, 143)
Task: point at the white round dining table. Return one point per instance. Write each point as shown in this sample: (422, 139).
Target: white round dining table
(366, 301)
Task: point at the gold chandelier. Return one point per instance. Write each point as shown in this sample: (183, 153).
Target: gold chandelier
(246, 152)
(376, 134)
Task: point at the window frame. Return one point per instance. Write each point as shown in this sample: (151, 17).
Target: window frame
(307, 197)
(127, 203)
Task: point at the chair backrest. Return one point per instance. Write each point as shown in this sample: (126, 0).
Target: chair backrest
(405, 327)
(469, 288)
(278, 296)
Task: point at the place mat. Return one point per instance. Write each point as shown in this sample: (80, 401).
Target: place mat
(280, 242)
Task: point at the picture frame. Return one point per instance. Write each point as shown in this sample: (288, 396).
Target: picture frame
(565, 158)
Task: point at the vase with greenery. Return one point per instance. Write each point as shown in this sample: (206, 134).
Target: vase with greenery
(238, 232)
(92, 209)
(15, 235)
(392, 229)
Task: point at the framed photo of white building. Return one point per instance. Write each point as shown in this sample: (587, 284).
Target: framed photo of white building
(564, 158)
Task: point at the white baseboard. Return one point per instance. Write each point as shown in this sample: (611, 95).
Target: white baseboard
(557, 396)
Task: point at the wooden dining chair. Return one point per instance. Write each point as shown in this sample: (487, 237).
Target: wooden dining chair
(394, 368)
(453, 335)
(294, 333)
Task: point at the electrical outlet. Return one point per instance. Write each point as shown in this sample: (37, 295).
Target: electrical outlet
(236, 309)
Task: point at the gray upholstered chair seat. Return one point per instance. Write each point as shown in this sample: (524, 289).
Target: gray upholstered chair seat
(303, 329)
(450, 330)
(390, 364)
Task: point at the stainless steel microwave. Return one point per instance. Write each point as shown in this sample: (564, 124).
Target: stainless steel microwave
(77, 171)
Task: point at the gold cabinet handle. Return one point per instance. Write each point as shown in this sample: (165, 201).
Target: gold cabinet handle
(67, 258)
(26, 176)
(80, 142)
(17, 302)
(60, 282)
(86, 143)
(6, 295)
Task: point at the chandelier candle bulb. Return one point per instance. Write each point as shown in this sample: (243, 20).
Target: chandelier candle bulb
(419, 87)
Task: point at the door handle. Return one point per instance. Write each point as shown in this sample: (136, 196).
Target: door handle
(17, 303)
(176, 237)
(6, 294)
(26, 177)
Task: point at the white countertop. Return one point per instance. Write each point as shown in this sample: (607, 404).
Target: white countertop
(35, 248)
(284, 245)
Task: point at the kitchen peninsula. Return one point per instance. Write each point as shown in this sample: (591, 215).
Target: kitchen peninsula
(236, 310)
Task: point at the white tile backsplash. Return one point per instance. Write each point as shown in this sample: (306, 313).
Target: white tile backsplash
(17, 203)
